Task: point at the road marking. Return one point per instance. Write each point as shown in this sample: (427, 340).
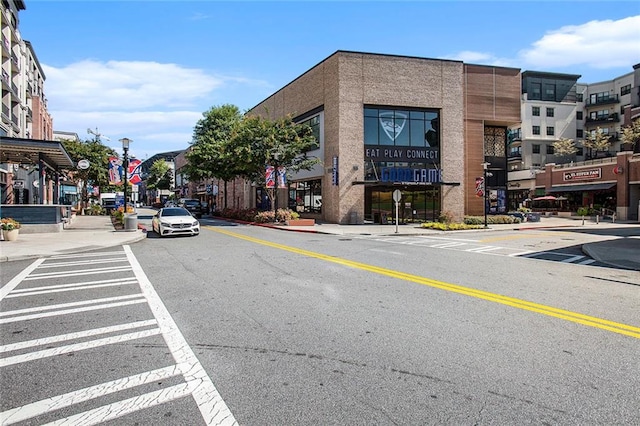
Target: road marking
(575, 317)
(71, 287)
(127, 406)
(483, 249)
(44, 406)
(8, 288)
(45, 353)
(63, 274)
(76, 335)
(67, 305)
(71, 311)
(587, 262)
(209, 401)
(83, 255)
(82, 262)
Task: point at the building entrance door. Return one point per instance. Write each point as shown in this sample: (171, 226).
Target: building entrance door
(417, 205)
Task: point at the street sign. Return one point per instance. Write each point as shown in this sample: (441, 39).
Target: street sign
(83, 164)
(397, 195)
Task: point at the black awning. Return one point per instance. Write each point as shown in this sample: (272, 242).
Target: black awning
(28, 151)
(579, 188)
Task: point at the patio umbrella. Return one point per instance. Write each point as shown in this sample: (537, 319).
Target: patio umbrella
(546, 197)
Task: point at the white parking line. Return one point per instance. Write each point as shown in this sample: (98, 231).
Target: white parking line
(82, 262)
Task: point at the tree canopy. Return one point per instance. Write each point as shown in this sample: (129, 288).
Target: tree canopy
(98, 155)
(564, 147)
(597, 140)
(631, 133)
(160, 175)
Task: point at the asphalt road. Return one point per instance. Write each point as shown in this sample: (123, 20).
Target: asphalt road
(295, 328)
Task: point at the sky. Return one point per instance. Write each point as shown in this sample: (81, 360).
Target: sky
(148, 70)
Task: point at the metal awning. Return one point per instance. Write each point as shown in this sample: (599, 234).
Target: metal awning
(585, 187)
(28, 151)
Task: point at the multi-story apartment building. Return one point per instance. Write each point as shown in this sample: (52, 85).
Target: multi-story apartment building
(555, 106)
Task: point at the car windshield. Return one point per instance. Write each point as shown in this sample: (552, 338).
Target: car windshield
(192, 202)
(175, 211)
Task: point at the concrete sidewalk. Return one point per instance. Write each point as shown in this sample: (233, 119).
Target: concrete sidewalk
(96, 232)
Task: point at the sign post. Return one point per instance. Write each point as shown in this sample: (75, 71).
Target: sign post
(397, 195)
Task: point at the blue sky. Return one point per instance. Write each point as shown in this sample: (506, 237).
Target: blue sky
(147, 70)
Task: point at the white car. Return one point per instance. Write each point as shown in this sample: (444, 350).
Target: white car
(175, 221)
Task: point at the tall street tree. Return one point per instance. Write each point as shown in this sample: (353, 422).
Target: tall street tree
(259, 142)
(631, 134)
(160, 176)
(211, 154)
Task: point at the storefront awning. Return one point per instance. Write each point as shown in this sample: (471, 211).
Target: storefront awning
(29, 151)
(579, 188)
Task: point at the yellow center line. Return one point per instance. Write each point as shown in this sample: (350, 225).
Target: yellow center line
(603, 324)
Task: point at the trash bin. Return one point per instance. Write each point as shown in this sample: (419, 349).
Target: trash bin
(131, 221)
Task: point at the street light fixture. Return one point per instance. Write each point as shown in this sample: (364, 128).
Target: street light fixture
(125, 166)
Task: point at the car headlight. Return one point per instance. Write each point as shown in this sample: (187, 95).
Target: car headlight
(165, 224)
(196, 223)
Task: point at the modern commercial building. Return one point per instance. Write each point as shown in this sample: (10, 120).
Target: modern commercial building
(422, 126)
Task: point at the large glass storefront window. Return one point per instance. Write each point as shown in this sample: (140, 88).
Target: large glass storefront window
(402, 151)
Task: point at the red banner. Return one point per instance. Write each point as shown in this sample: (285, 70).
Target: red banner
(270, 177)
(479, 187)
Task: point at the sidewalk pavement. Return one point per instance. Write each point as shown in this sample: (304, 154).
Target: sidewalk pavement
(86, 233)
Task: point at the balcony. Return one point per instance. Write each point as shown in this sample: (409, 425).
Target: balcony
(15, 122)
(15, 61)
(6, 47)
(603, 100)
(603, 119)
(29, 115)
(16, 95)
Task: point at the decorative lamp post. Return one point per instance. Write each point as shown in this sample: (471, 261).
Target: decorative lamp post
(276, 157)
(125, 166)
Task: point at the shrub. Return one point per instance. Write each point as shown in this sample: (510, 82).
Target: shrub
(264, 217)
(449, 226)
(445, 217)
(583, 211)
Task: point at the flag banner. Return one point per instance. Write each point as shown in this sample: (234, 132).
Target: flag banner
(135, 169)
(479, 187)
(269, 177)
(282, 177)
(115, 171)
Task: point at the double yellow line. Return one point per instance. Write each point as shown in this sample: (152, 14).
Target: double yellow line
(603, 324)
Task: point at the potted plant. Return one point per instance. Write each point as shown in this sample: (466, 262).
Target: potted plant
(10, 229)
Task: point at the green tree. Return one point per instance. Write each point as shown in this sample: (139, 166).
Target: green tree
(258, 142)
(210, 155)
(564, 147)
(160, 175)
(98, 156)
(597, 141)
(631, 133)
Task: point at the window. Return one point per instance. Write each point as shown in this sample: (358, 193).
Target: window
(549, 92)
(536, 91)
(579, 97)
(579, 133)
(550, 150)
(550, 112)
(314, 123)
(625, 90)
(578, 115)
(401, 127)
(535, 130)
(536, 148)
(535, 111)
(550, 131)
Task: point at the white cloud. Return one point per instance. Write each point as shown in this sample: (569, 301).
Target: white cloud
(93, 85)
(603, 44)
(597, 44)
(156, 105)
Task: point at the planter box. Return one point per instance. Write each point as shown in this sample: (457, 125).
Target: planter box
(301, 222)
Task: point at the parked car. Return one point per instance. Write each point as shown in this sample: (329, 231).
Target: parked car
(174, 221)
(194, 206)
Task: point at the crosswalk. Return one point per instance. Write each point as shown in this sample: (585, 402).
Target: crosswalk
(474, 246)
(53, 300)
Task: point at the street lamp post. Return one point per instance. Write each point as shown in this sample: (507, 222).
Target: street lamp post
(485, 167)
(125, 166)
